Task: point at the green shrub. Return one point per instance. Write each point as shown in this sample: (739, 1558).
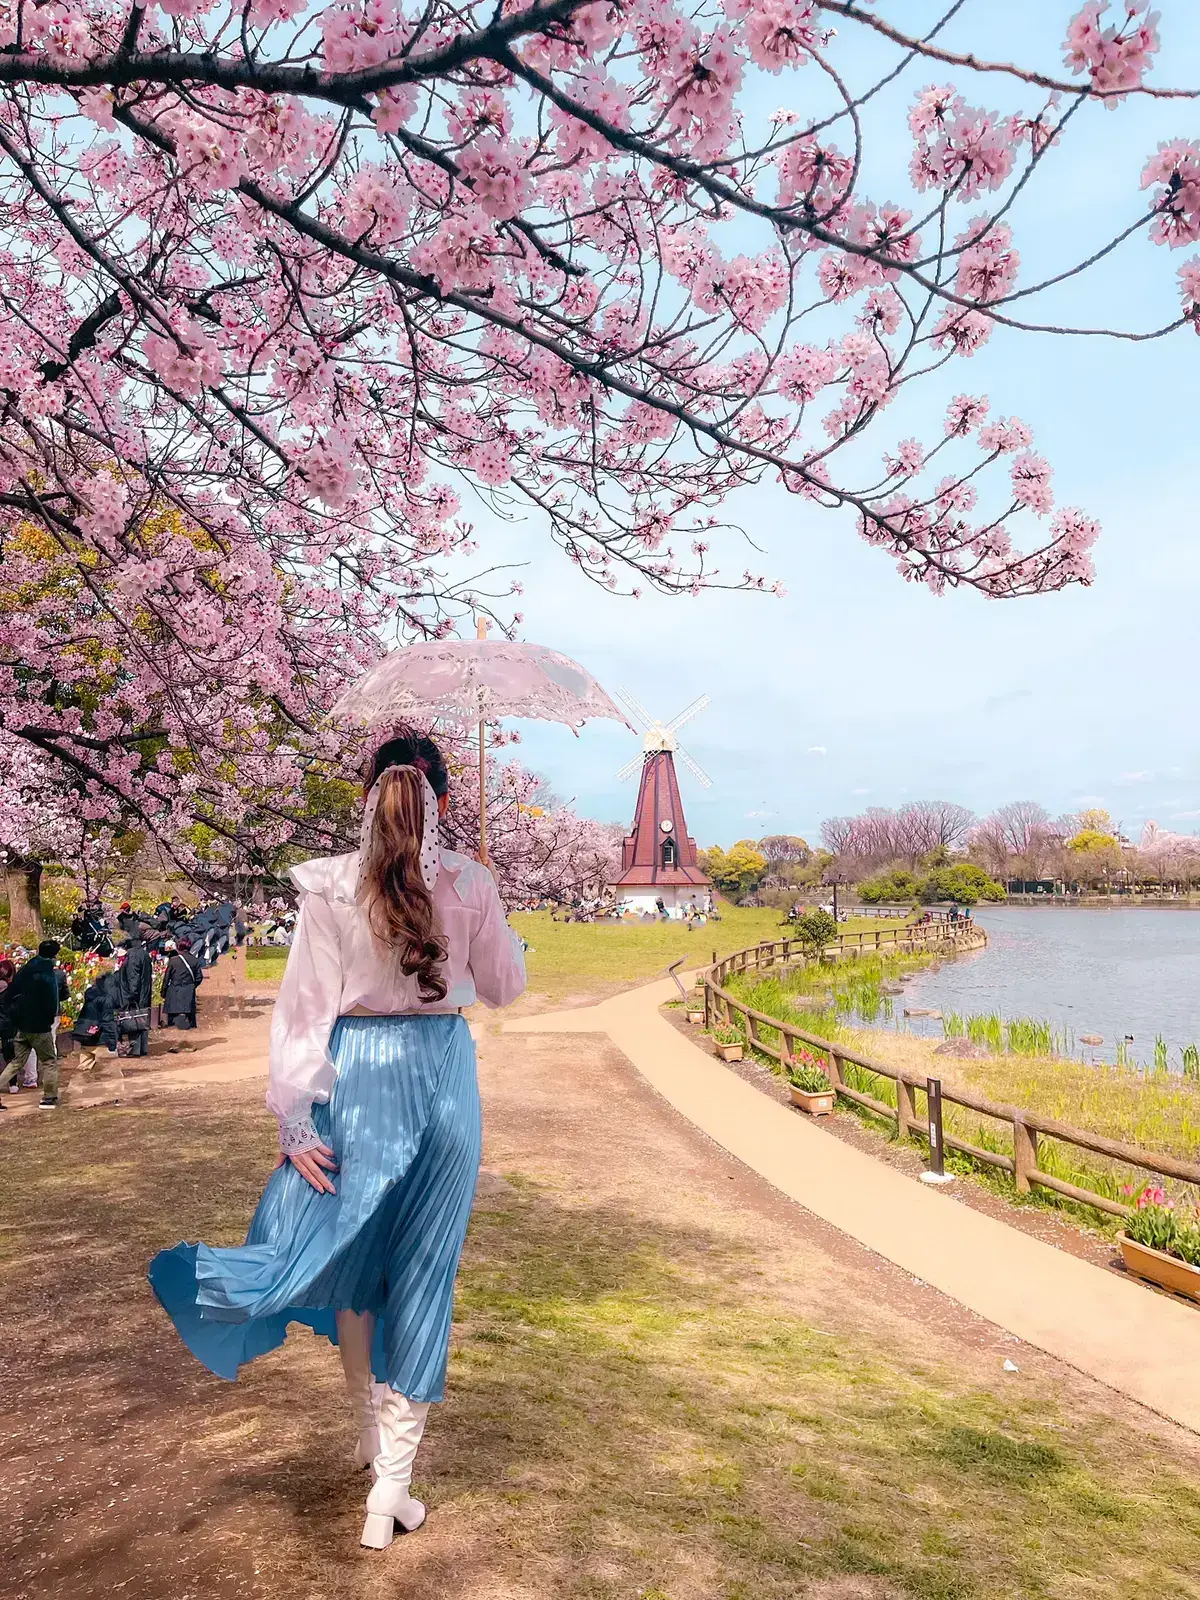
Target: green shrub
(728, 1033)
(895, 884)
(965, 884)
(815, 930)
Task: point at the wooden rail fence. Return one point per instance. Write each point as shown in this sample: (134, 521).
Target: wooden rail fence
(1026, 1126)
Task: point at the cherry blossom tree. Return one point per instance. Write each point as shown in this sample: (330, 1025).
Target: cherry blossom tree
(880, 835)
(1019, 840)
(1169, 857)
(39, 823)
(280, 284)
(540, 848)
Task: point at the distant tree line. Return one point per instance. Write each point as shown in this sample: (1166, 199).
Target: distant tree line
(1019, 843)
(935, 850)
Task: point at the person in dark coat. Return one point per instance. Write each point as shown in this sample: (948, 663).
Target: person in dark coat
(224, 915)
(131, 996)
(8, 1028)
(95, 1028)
(36, 996)
(183, 977)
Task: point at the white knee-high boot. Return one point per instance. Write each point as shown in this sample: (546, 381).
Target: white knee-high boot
(356, 1330)
(401, 1424)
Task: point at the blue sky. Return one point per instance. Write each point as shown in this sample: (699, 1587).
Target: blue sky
(856, 689)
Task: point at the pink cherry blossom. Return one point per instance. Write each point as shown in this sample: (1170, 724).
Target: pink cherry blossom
(1176, 169)
(964, 413)
(289, 290)
(1118, 57)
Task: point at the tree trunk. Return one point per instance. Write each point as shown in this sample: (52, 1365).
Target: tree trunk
(24, 901)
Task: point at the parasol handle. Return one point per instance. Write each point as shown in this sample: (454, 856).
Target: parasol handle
(481, 629)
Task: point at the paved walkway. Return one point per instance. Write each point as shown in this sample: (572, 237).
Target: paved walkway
(1141, 1343)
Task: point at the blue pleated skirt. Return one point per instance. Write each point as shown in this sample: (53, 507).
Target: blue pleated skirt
(404, 1126)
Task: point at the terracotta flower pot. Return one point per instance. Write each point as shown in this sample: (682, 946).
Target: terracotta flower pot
(818, 1102)
(1169, 1272)
(729, 1052)
(695, 1016)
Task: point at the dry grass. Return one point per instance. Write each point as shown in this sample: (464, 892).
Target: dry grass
(1157, 1110)
(630, 1416)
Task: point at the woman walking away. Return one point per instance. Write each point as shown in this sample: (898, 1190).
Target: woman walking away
(183, 977)
(372, 1077)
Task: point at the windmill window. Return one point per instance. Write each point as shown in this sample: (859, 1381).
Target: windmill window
(668, 852)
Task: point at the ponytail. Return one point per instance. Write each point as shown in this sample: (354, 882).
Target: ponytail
(399, 907)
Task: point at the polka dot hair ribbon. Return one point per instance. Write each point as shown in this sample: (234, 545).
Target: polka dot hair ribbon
(431, 848)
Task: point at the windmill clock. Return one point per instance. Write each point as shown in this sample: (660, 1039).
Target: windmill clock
(659, 869)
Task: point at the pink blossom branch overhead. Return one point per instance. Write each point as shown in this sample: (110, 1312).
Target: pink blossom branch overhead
(284, 284)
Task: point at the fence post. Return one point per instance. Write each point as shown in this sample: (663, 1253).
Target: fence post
(837, 1076)
(1025, 1154)
(707, 1007)
(786, 1059)
(937, 1149)
(906, 1110)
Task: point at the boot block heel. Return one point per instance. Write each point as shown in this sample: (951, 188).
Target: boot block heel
(378, 1531)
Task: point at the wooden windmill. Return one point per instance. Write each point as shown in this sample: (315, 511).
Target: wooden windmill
(659, 867)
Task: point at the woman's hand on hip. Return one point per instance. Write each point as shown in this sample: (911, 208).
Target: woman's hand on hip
(314, 1165)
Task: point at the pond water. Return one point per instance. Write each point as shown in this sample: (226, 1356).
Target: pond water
(1111, 971)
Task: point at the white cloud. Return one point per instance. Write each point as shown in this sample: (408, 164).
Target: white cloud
(860, 791)
(1184, 816)
(755, 816)
(1136, 777)
(816, 750)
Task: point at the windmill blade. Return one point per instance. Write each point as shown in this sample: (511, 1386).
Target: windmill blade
(630, 768)
(694, 768)
(636, 708)
(686, 715)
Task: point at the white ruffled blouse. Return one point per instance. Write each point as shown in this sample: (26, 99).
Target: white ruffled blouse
(336, 964)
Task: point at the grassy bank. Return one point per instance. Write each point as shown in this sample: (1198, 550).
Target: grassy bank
(565, 956)
(633, 1413)
(1157, 1111)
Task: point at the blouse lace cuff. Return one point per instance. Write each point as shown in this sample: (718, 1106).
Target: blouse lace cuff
(297, 1134)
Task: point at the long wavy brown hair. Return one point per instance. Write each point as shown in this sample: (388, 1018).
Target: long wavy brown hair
(398, 905)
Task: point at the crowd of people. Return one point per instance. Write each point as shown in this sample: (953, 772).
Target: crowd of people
(126, 952)
(207, 931)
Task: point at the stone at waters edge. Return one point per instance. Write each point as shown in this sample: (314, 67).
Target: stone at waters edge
(965, 1049)
(922, 1011)
(1090, 1038)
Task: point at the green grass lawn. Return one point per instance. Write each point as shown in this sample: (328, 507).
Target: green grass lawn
(567, 956)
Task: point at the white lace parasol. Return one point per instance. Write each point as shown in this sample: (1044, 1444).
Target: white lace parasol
(475, 680)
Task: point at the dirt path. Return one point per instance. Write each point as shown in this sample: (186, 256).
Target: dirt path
(130, 1471)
